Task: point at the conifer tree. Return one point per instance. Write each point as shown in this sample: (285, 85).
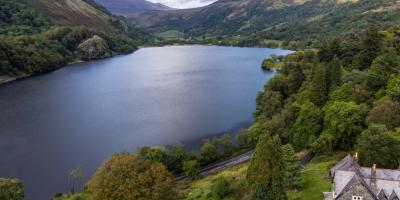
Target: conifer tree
(268, 167)
(294, 180)
(318, 88)
(333, 73)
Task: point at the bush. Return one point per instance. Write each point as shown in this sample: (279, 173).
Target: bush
(191, 168)
(220, 188)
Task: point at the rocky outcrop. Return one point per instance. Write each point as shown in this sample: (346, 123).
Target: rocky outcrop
(93, 48)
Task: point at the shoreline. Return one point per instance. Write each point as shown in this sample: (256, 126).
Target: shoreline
(5, 79)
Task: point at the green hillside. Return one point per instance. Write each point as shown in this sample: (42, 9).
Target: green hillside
(42, 35)
(253, 21)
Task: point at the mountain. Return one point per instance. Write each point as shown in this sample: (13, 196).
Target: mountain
(130, 7)
(287, 20)
(74, 12)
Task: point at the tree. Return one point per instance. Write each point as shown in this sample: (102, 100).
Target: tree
(208, 152)
(393, 87)
(376, 146)
(267, 166)
(75, 175)
(11, 189)
(333, 73)
(176, 156)
(268, 104)
(294, 79)
(370, 46)
(126, 176)
(385, 111)
(226, 142)
(157, 154)
(382, 67)
(220, 188)
(344, 121)
(242, 139)
(330, 49)
(307, 126)
(318, 86)
(294, 180)
(191, 168)
(259, 192)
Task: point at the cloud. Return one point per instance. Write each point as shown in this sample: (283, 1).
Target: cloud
(184, 3)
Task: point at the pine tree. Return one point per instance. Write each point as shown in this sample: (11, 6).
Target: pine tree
(318, 88)
(294, 180)
(268, 166)
(333, 73)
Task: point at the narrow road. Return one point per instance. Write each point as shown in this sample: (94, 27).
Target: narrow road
(219, 166)
(305, 157)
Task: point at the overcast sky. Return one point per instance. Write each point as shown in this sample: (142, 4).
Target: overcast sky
(184, 3)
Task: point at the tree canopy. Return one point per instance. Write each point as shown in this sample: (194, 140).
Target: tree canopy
(125, 177)
(11, 189)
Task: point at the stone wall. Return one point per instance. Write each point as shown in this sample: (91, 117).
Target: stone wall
(356, 190)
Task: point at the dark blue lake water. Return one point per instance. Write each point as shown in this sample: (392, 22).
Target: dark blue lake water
(81, 114)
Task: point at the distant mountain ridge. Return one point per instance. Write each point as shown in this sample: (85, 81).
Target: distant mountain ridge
(131, 7)
(74, 12)
(289, 20)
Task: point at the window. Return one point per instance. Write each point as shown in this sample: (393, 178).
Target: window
(356, 198)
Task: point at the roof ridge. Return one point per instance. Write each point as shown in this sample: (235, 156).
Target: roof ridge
(398, 170)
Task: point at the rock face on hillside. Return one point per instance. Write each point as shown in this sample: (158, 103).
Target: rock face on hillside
(93, 48)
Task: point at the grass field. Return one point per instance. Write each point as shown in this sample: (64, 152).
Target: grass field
(316, 176)
(171, 34)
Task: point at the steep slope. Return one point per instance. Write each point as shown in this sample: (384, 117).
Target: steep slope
(130, 7)
(288, 20)
(38, 36)
(76, 12)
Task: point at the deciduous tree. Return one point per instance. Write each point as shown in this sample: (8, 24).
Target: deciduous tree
(344, 121)
(11, 189)
(127, 177)
(308, 126)
(376, 146)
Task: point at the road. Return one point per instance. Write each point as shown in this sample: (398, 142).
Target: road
(305, 157)
(219, 166)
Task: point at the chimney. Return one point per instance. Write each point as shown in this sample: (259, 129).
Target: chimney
(373, 177)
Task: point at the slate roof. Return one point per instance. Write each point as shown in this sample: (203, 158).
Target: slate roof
(347, 173)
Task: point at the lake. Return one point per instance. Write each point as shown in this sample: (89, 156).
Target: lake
(81, 114)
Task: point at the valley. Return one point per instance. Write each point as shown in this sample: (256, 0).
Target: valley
(118, 100)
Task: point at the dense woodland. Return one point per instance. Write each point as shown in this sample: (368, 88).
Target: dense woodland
(30, 43)
(344, 96)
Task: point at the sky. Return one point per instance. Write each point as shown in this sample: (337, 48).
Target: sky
(184, 3)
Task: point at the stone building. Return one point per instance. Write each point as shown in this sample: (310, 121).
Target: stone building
(353, 182)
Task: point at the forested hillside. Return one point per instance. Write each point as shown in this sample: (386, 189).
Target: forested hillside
(255, 22)
(344, 96)
(50, 35)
